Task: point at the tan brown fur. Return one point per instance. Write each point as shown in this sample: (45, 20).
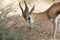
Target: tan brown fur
(50, 13)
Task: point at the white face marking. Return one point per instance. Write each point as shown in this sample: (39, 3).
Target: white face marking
(57, 22)
(30, 20)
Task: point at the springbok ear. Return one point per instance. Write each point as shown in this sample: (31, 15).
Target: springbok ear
(32, 9)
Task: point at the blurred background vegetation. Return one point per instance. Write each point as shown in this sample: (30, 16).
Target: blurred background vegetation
(8, 11)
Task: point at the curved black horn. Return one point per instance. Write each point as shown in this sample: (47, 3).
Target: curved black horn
(26, 7)
(32, 9)
(21, 7)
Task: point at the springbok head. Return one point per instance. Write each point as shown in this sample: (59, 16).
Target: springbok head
(26, 14)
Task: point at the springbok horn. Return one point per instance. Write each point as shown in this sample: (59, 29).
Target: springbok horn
(21, 7)
(32, 9)
(26, 7)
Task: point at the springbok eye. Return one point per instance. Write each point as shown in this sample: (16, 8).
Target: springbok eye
(28, 18)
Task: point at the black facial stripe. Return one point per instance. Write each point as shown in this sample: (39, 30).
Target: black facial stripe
(28, 18)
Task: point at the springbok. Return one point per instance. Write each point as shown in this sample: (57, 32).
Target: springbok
(54, 13)
(27, 15)
(51, 13)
